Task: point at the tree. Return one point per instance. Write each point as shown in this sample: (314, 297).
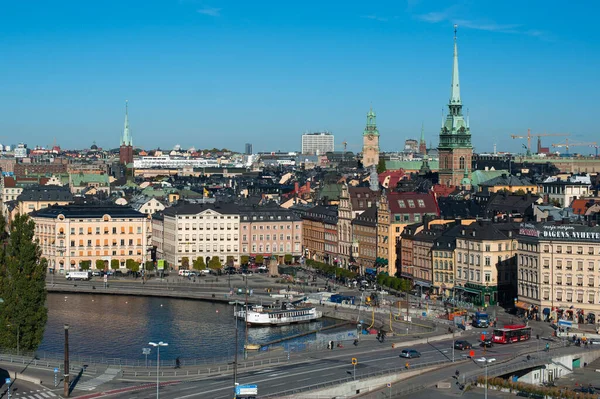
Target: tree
(114, 264)
(244, 259)
(149, 265)
(288, 259)
(199, 263)
(259, 259)
(132, 265)
(185, 263)
(85, 264)
(100, 264)
(22, 287)
(381, 165)
(230, 260)
(215, 263)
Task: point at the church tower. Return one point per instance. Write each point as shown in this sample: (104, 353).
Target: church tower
(422, 144)
(455, 149)
(370, 153)
(126, 148)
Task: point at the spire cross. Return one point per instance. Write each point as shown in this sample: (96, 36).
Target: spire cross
(455, 28)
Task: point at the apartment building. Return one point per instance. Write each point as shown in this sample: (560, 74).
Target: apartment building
(320, 233)
(198, 230)
(270, 231)
(559, 271)
(72, 235)
(364, 233)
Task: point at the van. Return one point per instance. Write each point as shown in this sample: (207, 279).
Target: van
(78, 276)
(184, 273)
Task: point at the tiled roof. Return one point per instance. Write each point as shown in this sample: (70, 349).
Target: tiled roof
(88, 211)
(46, 193)
(367, 218)
(410, 202)
(193, 209)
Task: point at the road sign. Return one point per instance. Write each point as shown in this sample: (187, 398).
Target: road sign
(483, 337)
(472, 353)
(354, 361)
(146, 351)
(56, 369)
(246, 390)
(7, 381)
(389, 384)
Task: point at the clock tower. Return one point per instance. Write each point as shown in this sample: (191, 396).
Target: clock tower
(370, 153)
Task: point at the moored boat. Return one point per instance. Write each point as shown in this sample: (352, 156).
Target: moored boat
(287, 314)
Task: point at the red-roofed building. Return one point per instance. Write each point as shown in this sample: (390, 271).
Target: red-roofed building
(580, 206)
(390, 178)
(443, 191)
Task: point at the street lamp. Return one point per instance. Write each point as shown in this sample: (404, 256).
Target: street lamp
(486, 361)
(157, 345)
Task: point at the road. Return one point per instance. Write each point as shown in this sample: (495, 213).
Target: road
(321, 367)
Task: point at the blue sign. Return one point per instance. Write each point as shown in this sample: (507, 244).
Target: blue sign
(246, 390)
(484, 332)
(565, 323)
(56, 370)
(7, 381)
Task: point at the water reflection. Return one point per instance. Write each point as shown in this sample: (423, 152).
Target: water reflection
(120, 326)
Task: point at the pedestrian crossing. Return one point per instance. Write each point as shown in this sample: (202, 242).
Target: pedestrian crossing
(39, 394)
(90, 385)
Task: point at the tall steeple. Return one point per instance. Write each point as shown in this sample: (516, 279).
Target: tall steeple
(371, 127)
(126, 140)
(455, 90)
(422, 143)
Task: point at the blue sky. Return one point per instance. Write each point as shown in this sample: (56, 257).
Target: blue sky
(219, 73)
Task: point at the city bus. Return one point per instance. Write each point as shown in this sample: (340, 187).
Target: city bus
(511, 333)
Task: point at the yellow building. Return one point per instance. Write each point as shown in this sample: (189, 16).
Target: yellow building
(510, 184)
(73, 234)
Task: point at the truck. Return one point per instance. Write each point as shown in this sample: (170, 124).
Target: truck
(78, 276)
(480, 320)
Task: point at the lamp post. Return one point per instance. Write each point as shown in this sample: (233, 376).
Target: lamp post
(486, 361)
(66, 359)
(157, 346)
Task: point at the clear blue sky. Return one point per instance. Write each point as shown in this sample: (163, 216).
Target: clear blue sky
(219, 73)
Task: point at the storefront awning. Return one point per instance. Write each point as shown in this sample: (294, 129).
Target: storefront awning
(471, 290)
(522, 305)
(422, 283)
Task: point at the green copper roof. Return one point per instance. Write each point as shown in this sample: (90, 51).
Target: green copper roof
(371, 127)
(127, 140)
(411, 165)
(80, 179)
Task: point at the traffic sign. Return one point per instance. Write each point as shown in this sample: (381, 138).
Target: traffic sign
(354, 361)
(472, 353)
(389, 384)
(7, 381)
(146, 351)
(483, 337)
(56, 369)
(246, 390)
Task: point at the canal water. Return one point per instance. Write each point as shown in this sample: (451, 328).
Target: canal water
(120, 326)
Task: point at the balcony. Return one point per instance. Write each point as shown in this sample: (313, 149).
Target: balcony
(60, 235)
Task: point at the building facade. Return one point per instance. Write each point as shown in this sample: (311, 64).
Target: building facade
(344, 226)
(319, 233)
(270, 231)
(317, 143)
(370, 153)
(364, 232)
(455, 148)
(559, 271)
(71, 235)
(199, 230)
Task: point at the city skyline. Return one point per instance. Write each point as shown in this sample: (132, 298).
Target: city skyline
(226, 73)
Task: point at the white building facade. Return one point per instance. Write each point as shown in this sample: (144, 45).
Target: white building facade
(317, 143)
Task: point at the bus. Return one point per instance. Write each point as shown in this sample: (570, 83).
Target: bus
(511, 333)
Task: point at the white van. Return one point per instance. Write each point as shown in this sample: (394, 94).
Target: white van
(78, 276)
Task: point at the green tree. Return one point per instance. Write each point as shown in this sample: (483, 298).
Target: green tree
(288, 259)
(185, 263)
(381, 165)
(99, 264)
(199, 263)
(215, 263)
(259, 259)
(22, 287)
(132, 265)
(244, 259)
(114, 264)
(149, 265)
(85, 264)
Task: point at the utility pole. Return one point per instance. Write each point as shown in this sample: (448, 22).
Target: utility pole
(67, 367)
(235, 357)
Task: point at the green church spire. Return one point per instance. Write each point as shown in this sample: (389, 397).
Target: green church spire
(371, 127)
(455, 89)
(126, 140)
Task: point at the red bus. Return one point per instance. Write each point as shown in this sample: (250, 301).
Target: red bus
(511, 333)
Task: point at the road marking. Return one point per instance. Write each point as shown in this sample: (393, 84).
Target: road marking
(278, 385)
(306, 379)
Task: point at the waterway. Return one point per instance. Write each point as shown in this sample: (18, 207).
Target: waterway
(120, 326)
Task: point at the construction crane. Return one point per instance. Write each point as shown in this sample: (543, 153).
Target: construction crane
(566, 144)
(595, 146)
(539, 136)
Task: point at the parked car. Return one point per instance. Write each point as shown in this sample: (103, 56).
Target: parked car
(410, 353)
(230, 270)
(462, 345)
(98, 273)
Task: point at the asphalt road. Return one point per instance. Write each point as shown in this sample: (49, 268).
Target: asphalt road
(322, 367)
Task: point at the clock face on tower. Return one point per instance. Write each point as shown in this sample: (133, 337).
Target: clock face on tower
(371, 137)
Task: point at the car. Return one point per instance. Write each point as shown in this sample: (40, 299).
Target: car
(410, 353)
(486, 343)
(98, 273)
(462, 345)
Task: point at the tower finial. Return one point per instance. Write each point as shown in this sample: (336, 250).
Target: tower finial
(455, 28)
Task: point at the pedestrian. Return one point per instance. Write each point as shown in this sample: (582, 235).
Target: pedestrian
(331, 344)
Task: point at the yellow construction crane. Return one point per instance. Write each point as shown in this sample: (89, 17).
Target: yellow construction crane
(539, 136)
(566, 144)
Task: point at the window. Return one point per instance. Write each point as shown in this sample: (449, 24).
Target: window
(421, 203)
(401, 204)
(411, 203)
(488, 277)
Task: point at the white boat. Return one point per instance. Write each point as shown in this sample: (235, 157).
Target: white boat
(288, 314)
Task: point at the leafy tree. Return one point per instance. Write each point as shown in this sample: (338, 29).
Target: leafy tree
(260, 259)
(132, 265)
(381, 165)
(520, 192)
(85, 264)
(149, 265)
(185, 263)
(99, 264)
(230, 260)
(288, 259)
(199, 263)
(22, 287)
(114, 264)
(215, 263)
(244, 259)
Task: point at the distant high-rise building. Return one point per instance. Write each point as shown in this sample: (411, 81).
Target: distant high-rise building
(248, 150)
(370, 155)
(21, 151)
(410, 145)
(455, 149)
(126, 148)
(317, 143)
